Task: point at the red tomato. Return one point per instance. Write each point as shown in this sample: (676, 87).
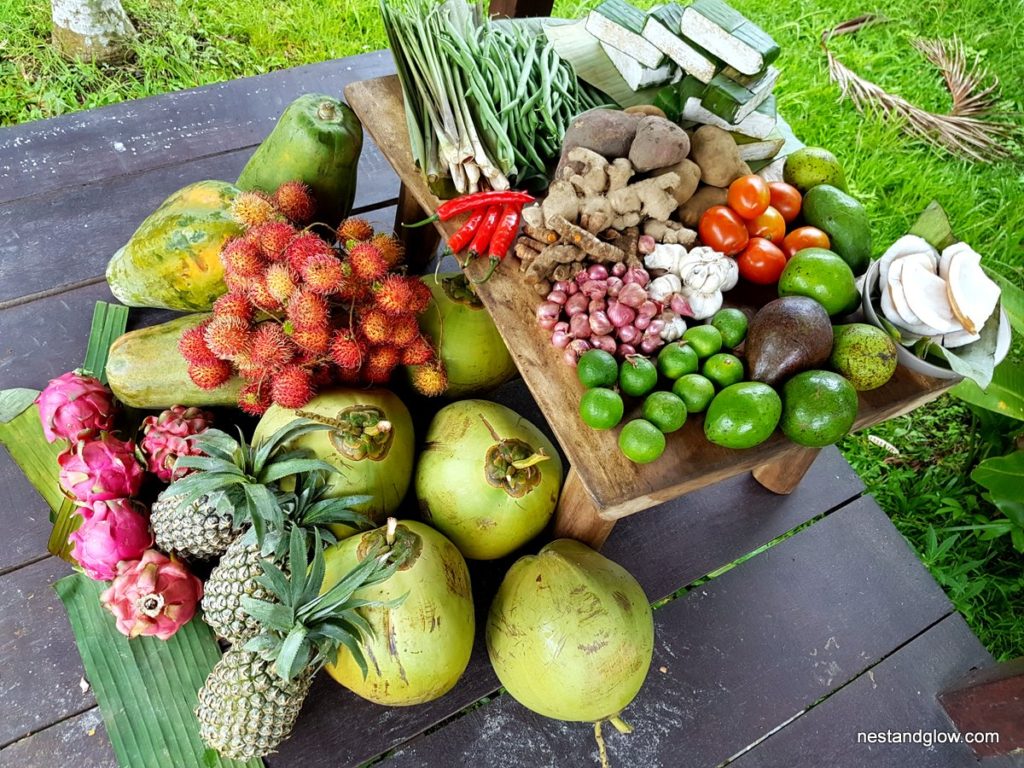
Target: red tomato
(761, 262)
(722, 229)
(804, 237)
(786, 199)
(749, 196)
(769, 225)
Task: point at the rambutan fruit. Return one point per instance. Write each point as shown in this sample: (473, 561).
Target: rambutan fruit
(418, 352)
(280, 282)
(375, 326)
(254, 398)
(390, 247)
(354, 230)
(352, 290)
(234, 304)
(315, 340)
(347, 351)
(430, 379)
(421, 295)
(260, 295)
(291, 387)
(393, 295)
(304, 247)
(192, 345)
(236, 283)
(307, 310)
(367, 262)
(252, 208)
(227, 337)
(404, 330)
(211, 374)
(295, 200)
(241, 257)
(323, 375)
(380, 362)
(322, 274)
(273, 238)
(271, 348)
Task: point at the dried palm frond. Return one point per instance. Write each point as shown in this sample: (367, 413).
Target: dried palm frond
(969, 128)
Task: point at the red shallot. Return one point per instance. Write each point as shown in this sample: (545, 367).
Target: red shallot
(547, 315)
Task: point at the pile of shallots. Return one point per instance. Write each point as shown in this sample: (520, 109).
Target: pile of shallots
(607, 310)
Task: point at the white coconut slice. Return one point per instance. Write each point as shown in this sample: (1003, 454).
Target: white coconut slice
(959, 339)
(904, 316)
(925, 293)
(972, 294)
(949, 252)
(904, 246)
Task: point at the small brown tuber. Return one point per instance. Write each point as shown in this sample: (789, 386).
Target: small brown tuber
(608, 132)
(659, 143)
(645, 109)
(670, 232)
(715, 151)
(690, 212)
(689, 179)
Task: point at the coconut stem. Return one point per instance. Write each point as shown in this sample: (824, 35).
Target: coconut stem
(620, 725)
(381, 427)
(529, 461)
(389, 533)
(601, 750)
(326, 111)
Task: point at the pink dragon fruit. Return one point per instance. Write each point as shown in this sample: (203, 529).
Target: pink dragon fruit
(164, 439)
(152, 596)
(74, 406)
(113, 531)
(100, 469)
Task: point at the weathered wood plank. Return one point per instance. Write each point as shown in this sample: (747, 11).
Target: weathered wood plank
(80, 741)
(68, 236)
(134, 136)
(896, 695)
(734, 658)
(42, 671)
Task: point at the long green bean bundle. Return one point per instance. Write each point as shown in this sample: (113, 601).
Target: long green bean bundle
(484, 102)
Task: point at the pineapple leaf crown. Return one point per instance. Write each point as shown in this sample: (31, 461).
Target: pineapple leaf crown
(237, 475)
(306, 627)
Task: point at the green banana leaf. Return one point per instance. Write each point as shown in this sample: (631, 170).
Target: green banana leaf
(1005, 394)
(109, 321)
(147, 688)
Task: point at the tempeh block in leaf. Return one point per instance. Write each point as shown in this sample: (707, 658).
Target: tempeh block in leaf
(636, 75)
(662, 29)
(727, 34)
(759, 124)
(733, 101)
(621, 26)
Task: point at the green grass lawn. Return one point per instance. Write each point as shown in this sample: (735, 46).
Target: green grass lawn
(926, 488)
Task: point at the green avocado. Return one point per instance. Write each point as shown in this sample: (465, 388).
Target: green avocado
(845, 222)
(823, 276)
(742, 415)
(818, 408)
(810, 166)
(864, 354)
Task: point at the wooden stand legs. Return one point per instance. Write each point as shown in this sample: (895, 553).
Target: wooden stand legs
(783, 474)
(420, 242)
(577, 515)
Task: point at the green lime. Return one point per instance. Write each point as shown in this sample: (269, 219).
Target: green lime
(601, 408)
(695, 391)
(641, 441)
(665, 411)
(723, 369)
(597, 368)
(676, 359)
(637, 376)
(732, 324)
(705, 339)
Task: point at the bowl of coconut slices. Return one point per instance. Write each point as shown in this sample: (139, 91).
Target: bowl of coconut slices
(930, 292)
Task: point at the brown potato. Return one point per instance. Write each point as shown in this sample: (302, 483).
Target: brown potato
(690, 212)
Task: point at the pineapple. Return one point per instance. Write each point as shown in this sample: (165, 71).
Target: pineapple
(252, 697)
(198, 516)
(237, 574)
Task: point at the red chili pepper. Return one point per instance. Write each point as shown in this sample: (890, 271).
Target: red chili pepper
(457, 243)
(486, 231)
(472, 202)
(501, 241)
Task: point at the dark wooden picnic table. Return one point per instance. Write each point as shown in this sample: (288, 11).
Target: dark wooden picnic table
(781, 661)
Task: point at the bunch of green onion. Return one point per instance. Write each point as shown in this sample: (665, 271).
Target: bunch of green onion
(486, 104)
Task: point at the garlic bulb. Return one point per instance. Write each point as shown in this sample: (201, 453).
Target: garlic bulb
(665, 256)
(662, 288)
(703, 303)
(675, 325)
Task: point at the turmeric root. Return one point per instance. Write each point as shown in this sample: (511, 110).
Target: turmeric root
(587, 241)
(543, 265)
(542, 235)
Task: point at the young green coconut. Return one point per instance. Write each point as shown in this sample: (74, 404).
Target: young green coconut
(420, 648)
(252, 697)
(237, 575)
(570, 592)
(488, 479)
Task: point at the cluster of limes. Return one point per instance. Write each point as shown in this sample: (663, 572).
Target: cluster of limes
(695, 367)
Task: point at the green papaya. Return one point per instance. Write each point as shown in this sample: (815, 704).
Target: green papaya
(317, 140)
(173, 259)
(145, 369)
